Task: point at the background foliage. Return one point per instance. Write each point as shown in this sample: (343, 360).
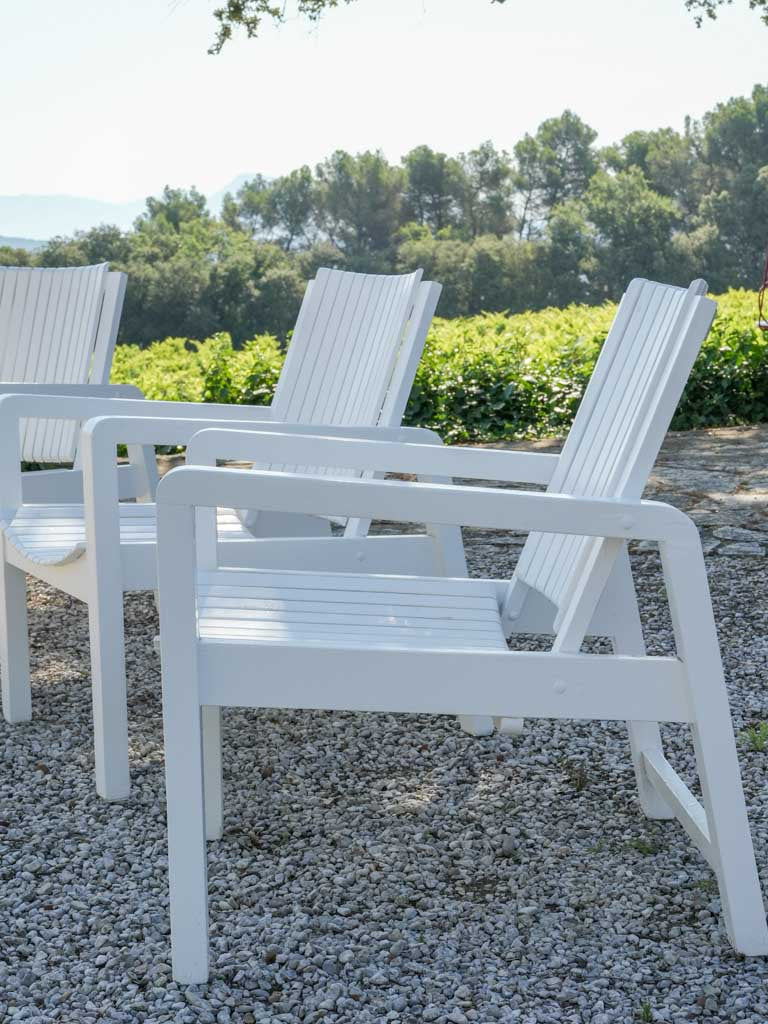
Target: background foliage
(556, 221)
(484, 378)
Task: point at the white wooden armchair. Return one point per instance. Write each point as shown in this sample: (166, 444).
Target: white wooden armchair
(373, 642)
(350, 365)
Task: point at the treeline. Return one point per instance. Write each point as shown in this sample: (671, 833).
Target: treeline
(489, 377)
(558, 220)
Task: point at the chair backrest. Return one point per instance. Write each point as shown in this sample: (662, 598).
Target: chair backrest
(342, 355)
(616, 435)
(58, 325)
(354, 352)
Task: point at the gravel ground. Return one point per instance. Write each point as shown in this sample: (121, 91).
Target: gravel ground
(373, 868)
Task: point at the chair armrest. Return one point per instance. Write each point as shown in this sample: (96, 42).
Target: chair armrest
(80, 402)
(448, 504)
(15, 407)
(102, 433)
(370, 450)
(73, 390)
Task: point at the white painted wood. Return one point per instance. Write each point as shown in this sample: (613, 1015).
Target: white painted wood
(302, 608)
(433, 681)
(14, 649)
(105, 619)
(414, 554)
(353, 356)
(182, 732)
(611, 447)
(383, 643)
(403, 501)
(303, 639)
(57, 333)
(57, 326)
(212, 772)
(714, 743)
(676, 794)
(627, 638)
(97, 548)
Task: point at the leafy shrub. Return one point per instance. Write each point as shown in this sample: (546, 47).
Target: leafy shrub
(729, 382)
(496, 376)
(183, 370)
(484, 378)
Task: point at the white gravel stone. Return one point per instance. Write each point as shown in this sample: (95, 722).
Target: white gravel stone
(373, 867)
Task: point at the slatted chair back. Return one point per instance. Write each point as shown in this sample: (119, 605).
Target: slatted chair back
(343, 351)
(614, 441)
(354, 353)
(57, 326)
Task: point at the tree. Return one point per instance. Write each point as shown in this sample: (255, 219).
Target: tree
(249, 14)
(360, 202)
(10, 256)
(503, 274)
(105, 243)
(245, 211)
(667, 160)
(664, 204)
(290, 206)
(487, 199)
(552, 166)
(633, 230)
(734, 155)
(570, 260)
(710, 8)
(62, 252)
(434, 188)
(282, 210)
(443, 260)
(176, 206)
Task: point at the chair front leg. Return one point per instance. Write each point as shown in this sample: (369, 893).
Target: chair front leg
(730, 845)
(187, 860)
(14, 644)
(110, 712)
(212, 772)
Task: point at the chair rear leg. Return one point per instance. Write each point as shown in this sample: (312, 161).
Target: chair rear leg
(212, 772)
(476, 725)
(108, 687)
(14, 644)
(643, 736)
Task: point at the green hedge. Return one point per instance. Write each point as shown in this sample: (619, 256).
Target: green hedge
(484, 378)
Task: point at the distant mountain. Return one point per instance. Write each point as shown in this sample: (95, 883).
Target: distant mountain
(30, 217)
(46, 216)
(21, 243)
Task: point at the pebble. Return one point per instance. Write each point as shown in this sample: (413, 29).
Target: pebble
(374, 867)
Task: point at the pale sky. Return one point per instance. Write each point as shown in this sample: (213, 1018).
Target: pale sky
(112, 99)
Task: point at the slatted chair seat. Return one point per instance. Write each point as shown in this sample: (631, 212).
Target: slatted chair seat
(55, 534)
(345, 610)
